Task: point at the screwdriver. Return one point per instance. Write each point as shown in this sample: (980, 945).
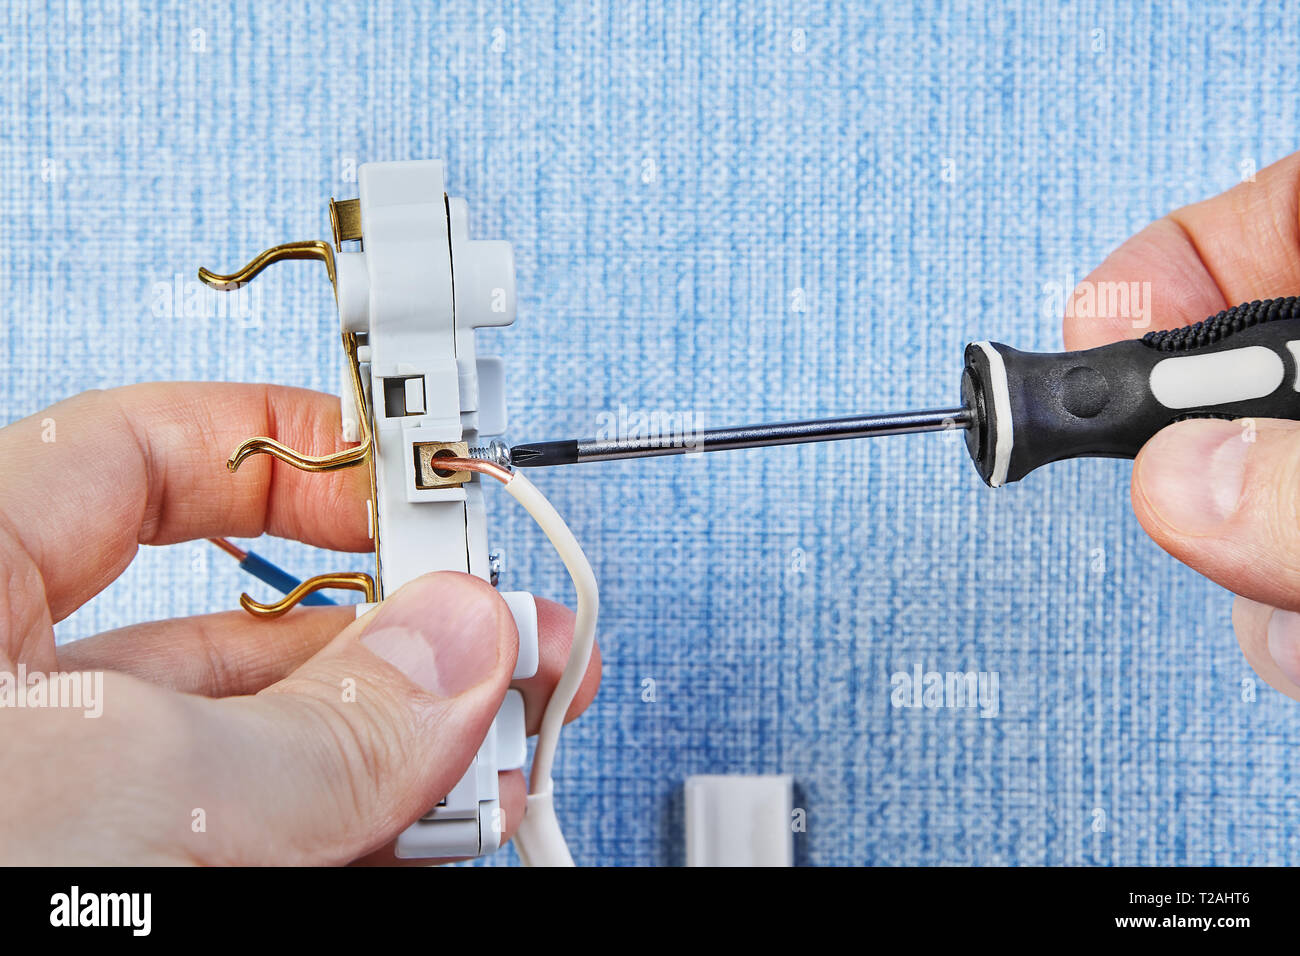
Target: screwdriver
(1022, 410)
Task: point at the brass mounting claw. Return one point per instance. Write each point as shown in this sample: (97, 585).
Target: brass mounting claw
(339, 459)
(348, 580)
(345, 221)
(308, 249)
(360, 453)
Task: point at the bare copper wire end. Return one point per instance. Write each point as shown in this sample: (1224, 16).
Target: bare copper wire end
(491, 468)
(230, 548)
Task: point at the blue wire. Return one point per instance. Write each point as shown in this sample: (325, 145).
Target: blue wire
(281, 580)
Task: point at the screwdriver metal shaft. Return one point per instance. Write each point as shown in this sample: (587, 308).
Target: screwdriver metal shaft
(539, 454)
(1023, 410)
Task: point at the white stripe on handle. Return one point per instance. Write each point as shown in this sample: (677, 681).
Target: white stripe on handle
(1219, 378)
(1004, 439)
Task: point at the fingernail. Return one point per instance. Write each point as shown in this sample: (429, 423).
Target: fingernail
(440, 631)
(1284, 643)
(1192, 474)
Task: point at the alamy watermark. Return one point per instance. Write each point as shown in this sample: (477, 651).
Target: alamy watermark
(75, 690)
(932, 690)
(133, 911)
(1098, 300)
(652, 428)
(184, 298)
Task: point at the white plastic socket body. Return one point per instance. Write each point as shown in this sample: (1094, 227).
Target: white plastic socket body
(416, 292)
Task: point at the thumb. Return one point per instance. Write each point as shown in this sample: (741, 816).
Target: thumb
(1222, 497)
(366, 736)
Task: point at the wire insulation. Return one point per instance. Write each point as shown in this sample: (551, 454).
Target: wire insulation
(539, 839)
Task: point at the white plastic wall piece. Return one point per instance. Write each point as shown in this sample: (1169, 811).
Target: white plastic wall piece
(512, 734)
(739, 820)
(523, 608)
(417, 291)
(492, 417)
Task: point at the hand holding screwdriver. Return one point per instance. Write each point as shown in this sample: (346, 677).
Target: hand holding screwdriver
(1220, 497)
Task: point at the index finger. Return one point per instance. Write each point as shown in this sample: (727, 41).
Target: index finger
(90, 479)
(1201, 259)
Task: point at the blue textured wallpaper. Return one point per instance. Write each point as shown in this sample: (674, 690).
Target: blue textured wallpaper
(745, 211)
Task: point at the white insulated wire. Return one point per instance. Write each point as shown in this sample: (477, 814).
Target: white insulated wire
(539, 839)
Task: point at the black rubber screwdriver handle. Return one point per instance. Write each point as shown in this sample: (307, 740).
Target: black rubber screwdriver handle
(1032, 408)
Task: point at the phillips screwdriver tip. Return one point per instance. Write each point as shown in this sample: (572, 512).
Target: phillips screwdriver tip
(543, 454)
